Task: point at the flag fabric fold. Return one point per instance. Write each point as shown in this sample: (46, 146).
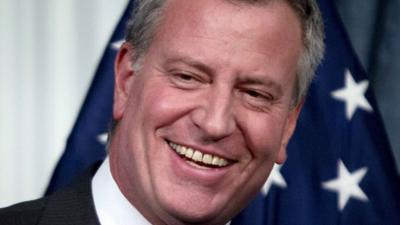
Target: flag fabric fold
(86, 143)
(339, 168)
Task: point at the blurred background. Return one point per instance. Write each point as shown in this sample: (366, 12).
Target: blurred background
(49, 51)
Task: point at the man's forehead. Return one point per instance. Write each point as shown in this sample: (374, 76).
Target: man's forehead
(210, 14)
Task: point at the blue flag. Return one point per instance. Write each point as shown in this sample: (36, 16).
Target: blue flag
(339, 169)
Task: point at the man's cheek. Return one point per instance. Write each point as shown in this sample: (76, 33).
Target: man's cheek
(264, 138)
(166, 104)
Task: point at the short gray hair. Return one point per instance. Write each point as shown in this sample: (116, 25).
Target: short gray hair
(144, 20)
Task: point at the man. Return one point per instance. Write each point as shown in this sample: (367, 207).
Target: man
(207, 94)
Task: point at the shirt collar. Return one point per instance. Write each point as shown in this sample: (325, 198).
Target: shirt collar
(111, 206)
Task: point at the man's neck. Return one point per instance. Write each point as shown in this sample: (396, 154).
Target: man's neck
(111, 206)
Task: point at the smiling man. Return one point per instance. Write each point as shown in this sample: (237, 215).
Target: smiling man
(207, 105)
(207, 94)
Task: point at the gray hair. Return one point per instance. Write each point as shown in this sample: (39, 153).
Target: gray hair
(144, 20)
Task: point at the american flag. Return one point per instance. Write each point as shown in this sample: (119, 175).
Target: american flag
(339, 168)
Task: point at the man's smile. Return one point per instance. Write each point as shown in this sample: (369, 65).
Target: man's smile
(198, 158)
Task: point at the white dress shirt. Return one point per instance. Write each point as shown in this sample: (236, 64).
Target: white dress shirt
(111, 206)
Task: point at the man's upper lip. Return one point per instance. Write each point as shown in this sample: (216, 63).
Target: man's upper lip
(204, 150)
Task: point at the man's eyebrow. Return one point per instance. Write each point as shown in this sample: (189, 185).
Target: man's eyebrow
(192, 63)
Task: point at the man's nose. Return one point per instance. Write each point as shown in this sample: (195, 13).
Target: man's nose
(215, 116)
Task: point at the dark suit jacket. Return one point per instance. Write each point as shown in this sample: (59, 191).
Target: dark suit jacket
(72, 205)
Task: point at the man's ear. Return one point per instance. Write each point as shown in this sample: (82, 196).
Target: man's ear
(290, 126)
(124, 73)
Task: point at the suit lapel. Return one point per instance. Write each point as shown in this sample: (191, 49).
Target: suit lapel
(72, 205)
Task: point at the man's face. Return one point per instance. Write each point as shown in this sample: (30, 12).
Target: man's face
(209, 112)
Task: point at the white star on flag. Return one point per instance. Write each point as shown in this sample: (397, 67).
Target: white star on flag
(102, 138)
(347, 185)
(274, 178)
(117, 44)
(353, 94)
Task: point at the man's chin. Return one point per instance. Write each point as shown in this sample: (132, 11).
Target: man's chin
(200, 218)
(197, 212)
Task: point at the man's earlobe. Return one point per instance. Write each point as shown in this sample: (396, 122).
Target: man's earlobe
(124, 72)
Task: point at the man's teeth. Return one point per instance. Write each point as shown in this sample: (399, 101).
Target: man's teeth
(197, 156)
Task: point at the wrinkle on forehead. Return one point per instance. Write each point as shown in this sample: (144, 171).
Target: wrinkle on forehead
(180, 17)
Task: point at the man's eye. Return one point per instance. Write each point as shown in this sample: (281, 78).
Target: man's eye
(254, 94)
(258, 95)
(185, 77)
(185, 80)
(257, 99)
